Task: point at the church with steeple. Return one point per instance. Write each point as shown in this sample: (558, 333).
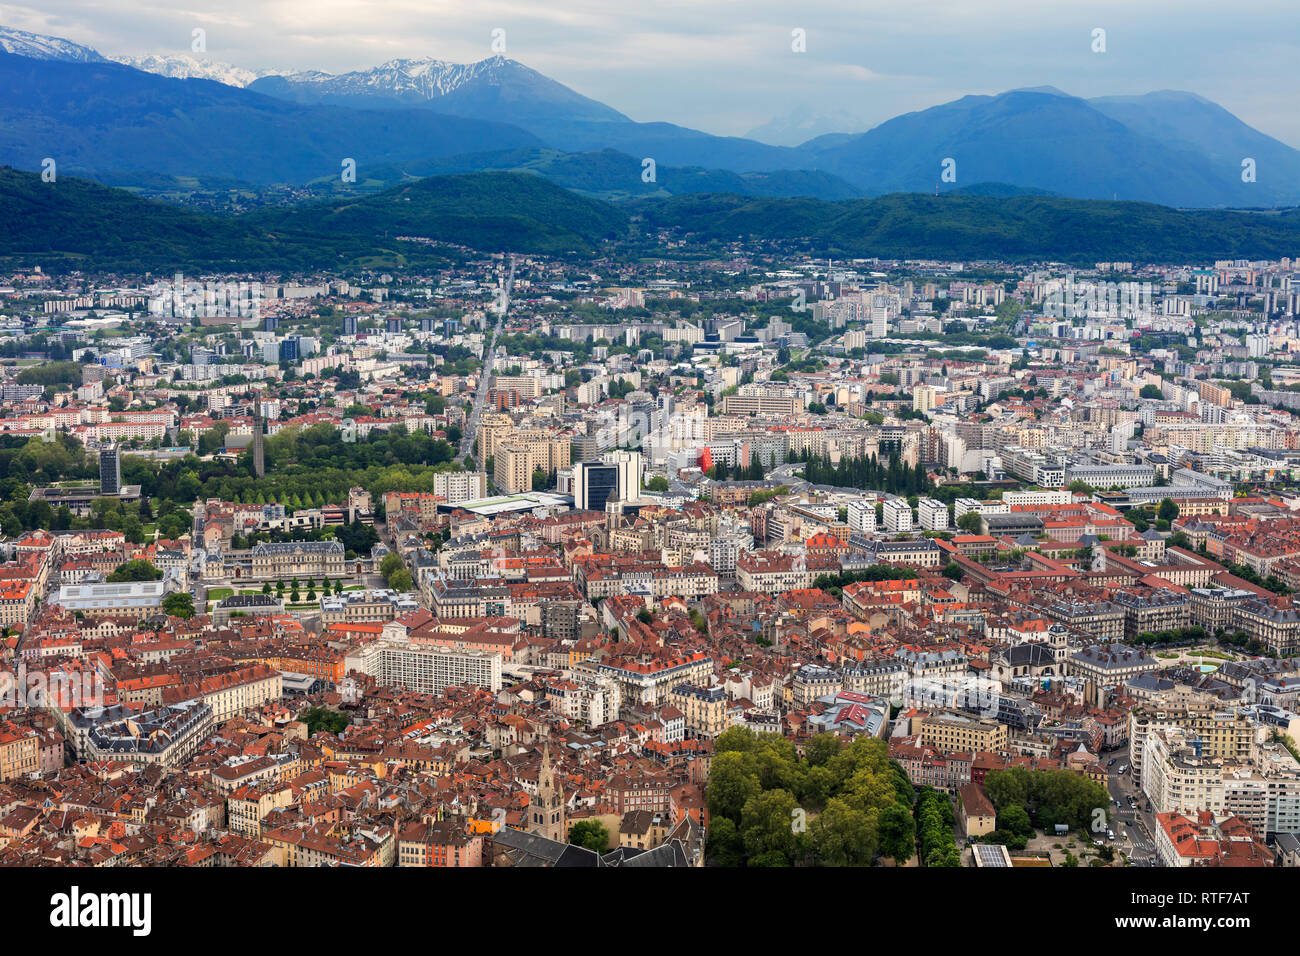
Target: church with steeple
(546, 811)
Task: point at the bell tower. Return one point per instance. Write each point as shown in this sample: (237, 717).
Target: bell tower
(546, 813)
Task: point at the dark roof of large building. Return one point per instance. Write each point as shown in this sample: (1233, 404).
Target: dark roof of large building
(529, 849)
(1027, 654)
(665, 854)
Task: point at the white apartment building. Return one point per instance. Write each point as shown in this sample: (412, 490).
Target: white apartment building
(428, 670)
(458, 486)
(1176, 778)
(725, 551)
(1034, 499)
(982, 508)
(933, 514)
(898, 516)
(862, 515)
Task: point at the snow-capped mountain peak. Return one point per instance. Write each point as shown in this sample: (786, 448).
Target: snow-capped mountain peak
(185, 67)
(38, 47)
(415, 78)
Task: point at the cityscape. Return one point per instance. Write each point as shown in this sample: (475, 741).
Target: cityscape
(484, 497)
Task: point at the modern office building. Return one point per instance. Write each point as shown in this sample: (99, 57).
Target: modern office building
(594, 485)
(110, 470)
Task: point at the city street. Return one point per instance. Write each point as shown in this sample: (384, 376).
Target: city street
(1133, 827)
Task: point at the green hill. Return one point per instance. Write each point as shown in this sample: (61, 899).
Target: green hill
(79, 223)
(1018, 228)
(494, 212)
(74, 224)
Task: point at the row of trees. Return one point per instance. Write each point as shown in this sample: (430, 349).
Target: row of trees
(754, 471)
(834, 584)
(934, 829)
(1195, 634)
(895, 478)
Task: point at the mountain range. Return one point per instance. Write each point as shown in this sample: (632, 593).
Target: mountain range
(185, 117)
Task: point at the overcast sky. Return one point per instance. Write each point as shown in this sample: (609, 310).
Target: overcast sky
(726, 67)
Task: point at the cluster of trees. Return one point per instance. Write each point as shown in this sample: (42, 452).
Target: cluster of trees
(1014, 828)
(27, 463)
(39, 462)
(1048, 797)
(321, 446)
(896, 478)
(356, 537)
(1247, 573)
(590, 833)
(51, 374)
(837, 805)
(137, 569)
(457, 359)
(1162, 516)
(834, 584)
(765, 495)
(18, 514)
(129, 518)
(1242, 641)
(179, 604)
(322, 718)
(394, 572)
(51, 347)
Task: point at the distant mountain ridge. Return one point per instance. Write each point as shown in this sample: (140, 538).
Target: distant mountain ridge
(1066, 145)
(510, 92)
(107, 116)
(610, 175)
(1167, 147)
(414, 82)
